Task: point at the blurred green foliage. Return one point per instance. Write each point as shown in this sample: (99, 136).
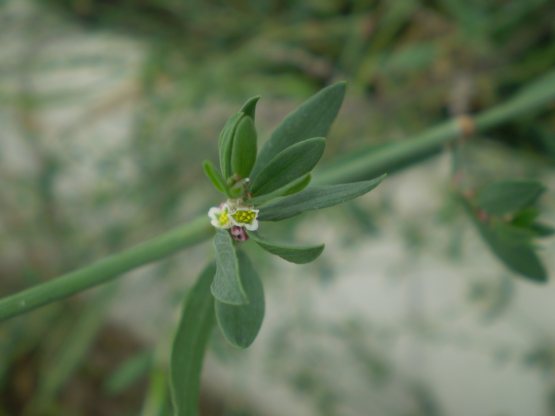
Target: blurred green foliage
(409, 64)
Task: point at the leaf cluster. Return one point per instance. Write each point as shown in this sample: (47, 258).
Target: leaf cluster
(506, 216)
(276, 182)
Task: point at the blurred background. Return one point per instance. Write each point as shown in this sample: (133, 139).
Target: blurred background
(107, 109)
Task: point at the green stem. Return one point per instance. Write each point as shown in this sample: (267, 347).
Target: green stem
(360, 165)
(106, 269)
(374, 160)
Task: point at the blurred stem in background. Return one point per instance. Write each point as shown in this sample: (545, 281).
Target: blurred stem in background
(395, 156)
(358, 165)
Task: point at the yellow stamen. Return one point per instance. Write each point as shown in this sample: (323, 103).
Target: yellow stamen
(244, 216)
(223, 218)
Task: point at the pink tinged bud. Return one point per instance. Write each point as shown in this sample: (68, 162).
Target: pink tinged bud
(238, 233)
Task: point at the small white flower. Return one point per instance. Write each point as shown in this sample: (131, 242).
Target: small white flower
(220, 216)
(245, 217)
(232, 213)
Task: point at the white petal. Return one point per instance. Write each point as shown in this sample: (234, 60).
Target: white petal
(214, 212)
(253, 226)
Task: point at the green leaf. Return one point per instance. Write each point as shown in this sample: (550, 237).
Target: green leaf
(312, 119)
(240, 324)
(295, 186)
(214, 176)
(249, 108)
(292, 188)
(289, 165)
(227, 136)
(73, 352)
(225, 143)
(129, 372)
(243, 153)
(189, 345)
(527, 220)
(525, 217)
(542, 230)
(292, 253)
(518, 255)
(316, 198)
(155, 397)
(506, 197)
(227, 287)
(509, 232)
(511, 246)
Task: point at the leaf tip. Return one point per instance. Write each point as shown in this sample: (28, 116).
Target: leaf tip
(540, 278)
(249, 108)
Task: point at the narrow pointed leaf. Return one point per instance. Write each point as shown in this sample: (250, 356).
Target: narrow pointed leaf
(293, 253)
(525, 217)
(517, 255)
(189, 345)
(243, 153)
(312, 119)
(249, 108)
(289, 165)
(296, 186)
(315, 198)
(214, 176)
(542, 230)
(511, 246)
(506, 197)
(509, 232)
(240, 323)
(225, 143)
(292, 188)
(129, 372)
(227, 287)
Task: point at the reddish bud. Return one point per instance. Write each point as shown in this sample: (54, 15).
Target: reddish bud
(238, 233)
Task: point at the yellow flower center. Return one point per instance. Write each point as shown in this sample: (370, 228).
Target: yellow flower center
(223, 218)
(244, 216)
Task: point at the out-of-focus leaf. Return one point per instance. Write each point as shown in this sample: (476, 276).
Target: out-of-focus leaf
(525, 217)
(289, 165)
(293, 253)
(128, 372)
(316, 198)
(243, 153)
(155, 399)
(411, 58)
(542, 230)
(512, 246)
(312, 119)
(189, 345)
(518, 255)
(506, 197)
(512, 233)
(226, 286)
(214, 176)
(60, 368)
(240, 323)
